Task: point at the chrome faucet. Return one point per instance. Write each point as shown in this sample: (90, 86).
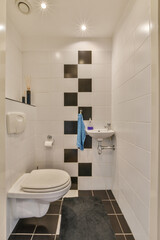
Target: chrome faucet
(108, 126)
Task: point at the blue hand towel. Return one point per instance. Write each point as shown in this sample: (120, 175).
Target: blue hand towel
(81, 133)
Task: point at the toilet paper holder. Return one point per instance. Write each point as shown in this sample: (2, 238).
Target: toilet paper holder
(49, 137)
(49, 142)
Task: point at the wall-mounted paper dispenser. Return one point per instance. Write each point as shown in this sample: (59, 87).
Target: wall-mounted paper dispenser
(16, 122)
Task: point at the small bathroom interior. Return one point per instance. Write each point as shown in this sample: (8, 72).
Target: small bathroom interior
(71, 58)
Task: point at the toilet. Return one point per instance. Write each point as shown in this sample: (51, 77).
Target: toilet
(32, 193)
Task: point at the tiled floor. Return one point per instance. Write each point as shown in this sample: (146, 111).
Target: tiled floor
(48, 227)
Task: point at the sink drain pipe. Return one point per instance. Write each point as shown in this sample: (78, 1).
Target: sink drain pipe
(100, 147)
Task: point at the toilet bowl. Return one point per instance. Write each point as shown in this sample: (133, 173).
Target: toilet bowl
(33, 192)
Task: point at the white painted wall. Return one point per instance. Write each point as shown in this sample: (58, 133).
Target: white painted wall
(44, 60)
(14, 88)
(20, 152)
(131, 115)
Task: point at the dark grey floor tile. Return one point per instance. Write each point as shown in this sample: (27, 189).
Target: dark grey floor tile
(47, 224)
(54, 208)
(100, 194)
(115, 224)
(124, 224)
(83, 193)
(129, 237)
(20, 237)
(26, 225)
(111, 196)
(108, 207)
(116, 207)
(43, 237)
(120, 237)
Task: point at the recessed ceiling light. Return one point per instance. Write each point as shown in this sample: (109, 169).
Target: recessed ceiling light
(83, 27)
(43, 5)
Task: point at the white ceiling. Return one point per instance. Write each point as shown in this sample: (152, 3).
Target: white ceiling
(63, 18)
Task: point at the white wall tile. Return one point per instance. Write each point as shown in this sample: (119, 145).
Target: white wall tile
(70, 113)
(131, 116)
(70, 85)
(99, 99)
(71, 168)
(99, 71)
(85, 99)
(70, 57)
(143, 56)
(99, 84)
(70, 141)
(85, 156)
(85, 71)
(85, 183)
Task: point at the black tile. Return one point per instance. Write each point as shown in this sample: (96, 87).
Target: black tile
(74, 181)
(20, 237)
(129, 237)
(111, 196)
(85, 169)
(54, 207)
(85, 57)
(70, 71)
(124, 224)
(26, 225)
(84, 85)
(120, 237)
(115, 224)
(43, 237)
(47, 224)
(88, 142)
(100, 194)
(70, 99)
(108, 207)
(86, 112)
(116, 207)
(84, 193)
(70, 127)
(70, 155)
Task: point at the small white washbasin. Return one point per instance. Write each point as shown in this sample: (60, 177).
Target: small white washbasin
(100, 133)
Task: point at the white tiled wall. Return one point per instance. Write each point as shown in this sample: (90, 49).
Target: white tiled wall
(14, 88)
(46, 66)
(131, 115)
(20, 152)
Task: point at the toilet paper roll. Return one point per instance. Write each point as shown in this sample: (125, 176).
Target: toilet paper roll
(48, 144)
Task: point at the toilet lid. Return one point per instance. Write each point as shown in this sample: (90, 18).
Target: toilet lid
(45, 179)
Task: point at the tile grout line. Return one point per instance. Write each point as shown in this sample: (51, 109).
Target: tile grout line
(107, 195)
(115, 213)
(23, 234)
(117, 216)
(52, 214)
(60, 210)
(118, 219)
(33, 232)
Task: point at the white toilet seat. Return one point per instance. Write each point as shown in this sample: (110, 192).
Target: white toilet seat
(47, 189)
(45, 180)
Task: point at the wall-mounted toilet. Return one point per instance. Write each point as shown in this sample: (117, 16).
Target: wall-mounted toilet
(32, 192)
